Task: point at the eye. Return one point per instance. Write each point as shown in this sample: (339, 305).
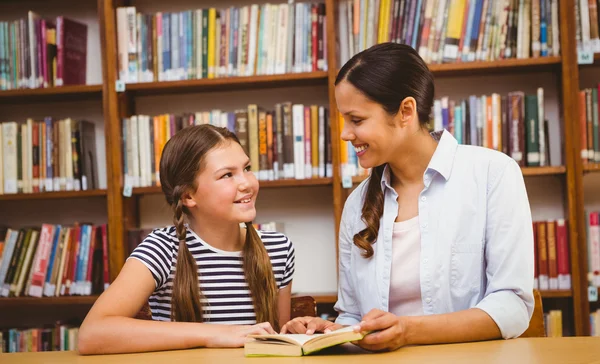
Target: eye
(355, 120)
(227, 175)
(248, 168)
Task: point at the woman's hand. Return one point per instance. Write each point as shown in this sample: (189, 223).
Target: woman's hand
(234, 336)
(309, 325)
(390, 335)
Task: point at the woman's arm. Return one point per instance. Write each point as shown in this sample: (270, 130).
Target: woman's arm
(110, 327)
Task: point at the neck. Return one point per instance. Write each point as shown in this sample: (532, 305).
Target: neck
(223, 236)
(409, 165)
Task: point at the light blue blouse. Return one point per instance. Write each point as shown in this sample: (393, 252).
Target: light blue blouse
(476, 241)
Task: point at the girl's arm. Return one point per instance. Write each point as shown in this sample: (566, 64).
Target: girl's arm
(284, 303)
(109, 327)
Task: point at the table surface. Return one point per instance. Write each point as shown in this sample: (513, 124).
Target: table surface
(526, 350)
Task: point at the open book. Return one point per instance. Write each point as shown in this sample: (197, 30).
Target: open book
(298, 344)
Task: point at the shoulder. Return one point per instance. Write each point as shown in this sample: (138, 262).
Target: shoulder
(485, 162)
(275, 241)
(161, 241)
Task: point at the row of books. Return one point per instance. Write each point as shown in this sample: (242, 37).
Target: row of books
(587, 26)
(37, 52)
(514, 124)
(551, 269)
(61, 337)
(250, 40)
(595, 323)
(444, 31)
(553, 323)
(588, 125)
(289, 141)
(54, 260)
(48, 155)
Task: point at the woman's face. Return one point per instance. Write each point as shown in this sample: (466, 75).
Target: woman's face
(373, 132)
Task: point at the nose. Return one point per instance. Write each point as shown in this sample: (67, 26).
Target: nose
(347, 134)
(243, 184)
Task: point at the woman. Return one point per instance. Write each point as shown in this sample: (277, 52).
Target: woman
(437, 245)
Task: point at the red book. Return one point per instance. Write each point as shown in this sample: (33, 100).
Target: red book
(71, 44)
(562, 249)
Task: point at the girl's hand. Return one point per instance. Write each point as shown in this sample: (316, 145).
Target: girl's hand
(234, 336)
(391, 333)
(309, 325)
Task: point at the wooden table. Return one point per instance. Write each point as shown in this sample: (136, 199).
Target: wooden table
(569, 350)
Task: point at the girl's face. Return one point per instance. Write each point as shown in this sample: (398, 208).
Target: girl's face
(367, 125)
(226, 188)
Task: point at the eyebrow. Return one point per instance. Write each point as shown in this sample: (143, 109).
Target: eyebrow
(229, 168)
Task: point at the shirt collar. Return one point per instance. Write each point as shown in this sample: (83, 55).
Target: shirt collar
(441, 161)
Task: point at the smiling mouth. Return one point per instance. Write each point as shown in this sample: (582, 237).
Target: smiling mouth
(361, 149)
(246, 200)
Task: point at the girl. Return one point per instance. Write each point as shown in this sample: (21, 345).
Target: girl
(203, 274)
(436, 246)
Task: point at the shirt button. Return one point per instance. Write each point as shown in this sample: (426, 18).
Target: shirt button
(423, 198)
(425, 261)
(428, 300)
(424, 225)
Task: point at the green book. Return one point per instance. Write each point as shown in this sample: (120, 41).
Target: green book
(532, 135)
(298, 344)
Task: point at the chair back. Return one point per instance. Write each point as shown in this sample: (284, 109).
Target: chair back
(536, 324)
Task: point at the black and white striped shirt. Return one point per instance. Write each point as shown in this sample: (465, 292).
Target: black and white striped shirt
(221, 277)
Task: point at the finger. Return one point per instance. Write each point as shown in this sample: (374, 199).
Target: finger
(380, 323)
(298, 327)
(372, 347)
(284, 329)
(267, 326)
(373, 314)
(381, 337)
(315, 325)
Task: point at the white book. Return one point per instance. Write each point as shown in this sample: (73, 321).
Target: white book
(322, 142)
(253, 40)
(542, 132)
(298, 118)
(9, 156)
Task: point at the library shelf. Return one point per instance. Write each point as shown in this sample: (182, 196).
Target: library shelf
(52, 195)
(262, 184)
(591, 167)
(512, 65)
(543, 171)
(52, 94)
(241, 83)
(556, 293)
(20, 302)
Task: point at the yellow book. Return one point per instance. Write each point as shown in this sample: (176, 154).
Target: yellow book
(212, 18)
(298, 344)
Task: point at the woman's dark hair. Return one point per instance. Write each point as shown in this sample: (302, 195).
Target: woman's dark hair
(386, 73)
(181, 161)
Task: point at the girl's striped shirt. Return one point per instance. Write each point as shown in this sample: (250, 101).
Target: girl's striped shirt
(226, 298)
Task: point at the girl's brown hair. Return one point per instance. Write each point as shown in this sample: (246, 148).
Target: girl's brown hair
(181, 161)
(386, 73)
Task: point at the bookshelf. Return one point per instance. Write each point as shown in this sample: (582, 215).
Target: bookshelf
(123, 213)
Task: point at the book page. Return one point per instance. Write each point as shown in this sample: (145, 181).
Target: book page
(300, 339)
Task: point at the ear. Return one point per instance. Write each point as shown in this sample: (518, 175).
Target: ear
(407, 112)
(188, 200)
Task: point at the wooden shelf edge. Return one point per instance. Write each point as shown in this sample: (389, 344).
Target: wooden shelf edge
(591, 167)
(557, 293)
(51, 91)
(263, 184)
(143, 88)
(542, 171)
(504, 64)
(47, 301)
(52, 195)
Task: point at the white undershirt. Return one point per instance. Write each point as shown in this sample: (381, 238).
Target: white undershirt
(405, 284)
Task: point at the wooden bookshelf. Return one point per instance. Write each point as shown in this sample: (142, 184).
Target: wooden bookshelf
(262, 184)
(53, 195)
(321, 298)
(13, 302)
(540, 64)
(591, 167)
(228, 84)
(557, 294)
(52, 94)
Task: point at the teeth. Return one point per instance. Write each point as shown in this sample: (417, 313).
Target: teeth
(245, 201)
(361, 148)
